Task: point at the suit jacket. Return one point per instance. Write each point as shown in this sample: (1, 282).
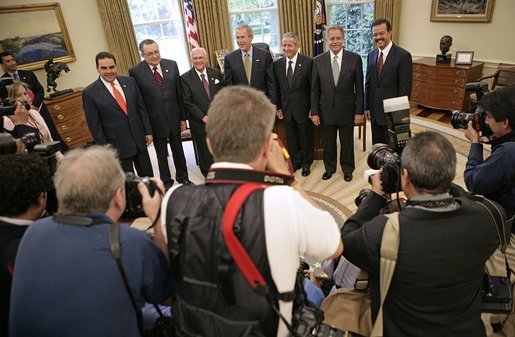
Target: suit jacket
(395, 81)
(30, 78)
(194, 96)
(338, 104)
(164, 104)
(262, 75)
(295, 102)
(108, 123)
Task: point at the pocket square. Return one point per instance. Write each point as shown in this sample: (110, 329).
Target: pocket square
(216, 80)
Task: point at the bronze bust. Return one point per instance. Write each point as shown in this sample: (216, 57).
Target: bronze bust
(445, 44)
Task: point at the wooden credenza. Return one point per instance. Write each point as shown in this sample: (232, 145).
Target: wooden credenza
(69, 118)
(442, 86)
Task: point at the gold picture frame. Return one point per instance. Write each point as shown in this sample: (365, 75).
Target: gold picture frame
(34, 33)
(462, 11)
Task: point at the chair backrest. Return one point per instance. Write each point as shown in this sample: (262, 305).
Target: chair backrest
(261, 45)
(505, 75)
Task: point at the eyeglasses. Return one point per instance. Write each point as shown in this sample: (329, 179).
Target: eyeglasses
(156, 53)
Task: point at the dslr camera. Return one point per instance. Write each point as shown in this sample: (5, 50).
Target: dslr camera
(134, 206)
(7, 107)
(387, 156)
(460, 119)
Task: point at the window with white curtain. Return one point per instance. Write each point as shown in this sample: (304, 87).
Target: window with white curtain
(161, 20)
(261, 15)
(355, 16)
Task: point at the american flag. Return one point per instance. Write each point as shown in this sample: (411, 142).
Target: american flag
(191, 25)
(319, 25)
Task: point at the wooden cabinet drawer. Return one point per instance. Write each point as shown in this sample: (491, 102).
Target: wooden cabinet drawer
(442, 86)
(69, 119)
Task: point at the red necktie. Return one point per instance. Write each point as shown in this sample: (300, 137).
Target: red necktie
(119, 98)
(380, 64)
(206, 85)
(158, 77)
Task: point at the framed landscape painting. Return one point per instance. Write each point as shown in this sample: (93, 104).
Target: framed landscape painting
(462, 10)
(35, 33)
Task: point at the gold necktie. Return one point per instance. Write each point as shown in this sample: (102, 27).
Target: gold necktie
(248, 66)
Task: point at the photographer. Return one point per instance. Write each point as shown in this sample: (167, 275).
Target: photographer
(25, 182)
(276, 225)
(444, 243)
(66, 281)
(494, 177)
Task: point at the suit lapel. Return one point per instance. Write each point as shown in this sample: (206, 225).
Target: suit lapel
(298, 69)
(211, 81)
(256, 59)
(149, 74)
(343, 67)
(388, 62)
(239, 64)
(105, 94)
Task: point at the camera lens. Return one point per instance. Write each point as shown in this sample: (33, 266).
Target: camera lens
(379, 155)
(460, 120)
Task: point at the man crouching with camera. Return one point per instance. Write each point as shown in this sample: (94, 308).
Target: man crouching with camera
(494, 177)
(444, 243)
(66, 281)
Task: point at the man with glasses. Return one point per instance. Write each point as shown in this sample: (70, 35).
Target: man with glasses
(159, 82)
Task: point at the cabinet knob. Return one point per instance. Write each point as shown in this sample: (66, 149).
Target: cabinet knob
(68, 139)
(64, 127)
(56, 107)
(60, 117)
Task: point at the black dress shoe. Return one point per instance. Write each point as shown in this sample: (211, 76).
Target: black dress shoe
(305, 171)
(347, 176)
(168, 185)
(296, 167)
(327, 176)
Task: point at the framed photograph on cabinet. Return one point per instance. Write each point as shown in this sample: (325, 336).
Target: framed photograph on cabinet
(34, 33)
(464, 57)
(462, 11)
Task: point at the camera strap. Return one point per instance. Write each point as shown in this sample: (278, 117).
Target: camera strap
(243, 176)
(238, 252)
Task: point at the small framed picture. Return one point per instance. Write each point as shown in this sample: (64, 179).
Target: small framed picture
(464, 57)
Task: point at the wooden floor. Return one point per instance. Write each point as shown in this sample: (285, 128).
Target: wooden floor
(336, 188)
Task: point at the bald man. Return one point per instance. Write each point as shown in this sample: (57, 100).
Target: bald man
(199, 86)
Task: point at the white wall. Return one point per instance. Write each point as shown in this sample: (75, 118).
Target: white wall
(87, 36)
(492, 42)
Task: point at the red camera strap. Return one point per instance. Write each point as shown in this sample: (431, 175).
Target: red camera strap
(236, 249)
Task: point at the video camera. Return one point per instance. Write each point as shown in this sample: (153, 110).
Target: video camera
(460, 119)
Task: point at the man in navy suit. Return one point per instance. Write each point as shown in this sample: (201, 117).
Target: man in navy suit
(10, 67)
(389, 71)
(337, 101)
(159, 82)
(116, 115)
(293, 84)
(199, 87)
(250, 66)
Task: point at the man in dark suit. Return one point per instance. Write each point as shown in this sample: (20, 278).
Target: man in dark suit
(159, 82)
(199, 86)
(337, 101)
(250, 66)
(116, 115)
(293, 84)
(389, 70)
(10, 68)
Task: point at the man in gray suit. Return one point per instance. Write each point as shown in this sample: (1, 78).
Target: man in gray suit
(293, 84)
(199, 86)
(337, 101)
(389, 71)
(159, 82)
(249, 65)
